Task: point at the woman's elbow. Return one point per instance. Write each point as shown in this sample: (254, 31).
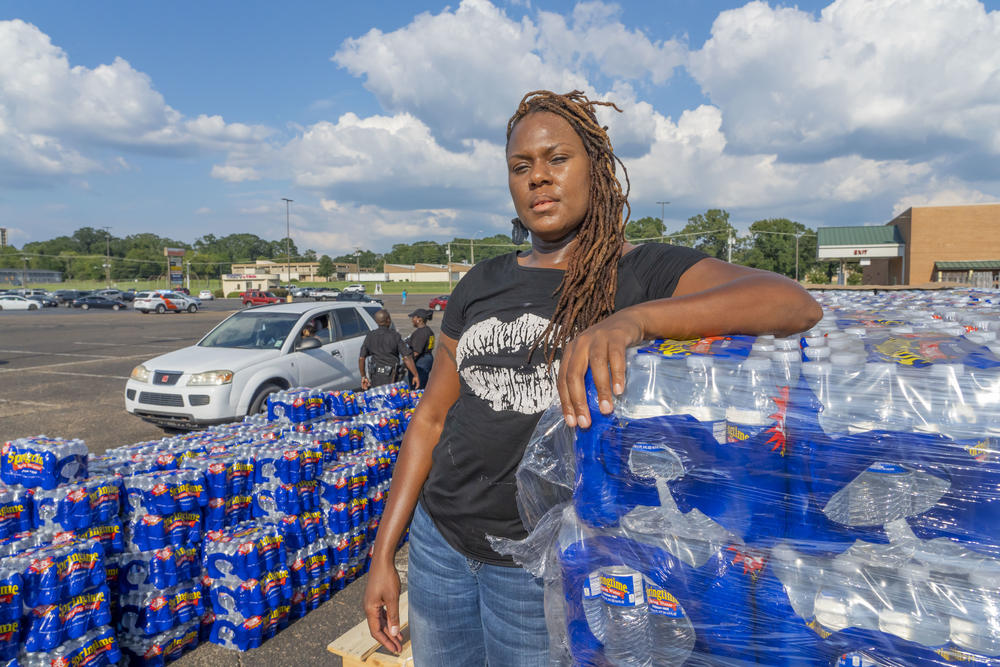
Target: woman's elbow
(806, 313)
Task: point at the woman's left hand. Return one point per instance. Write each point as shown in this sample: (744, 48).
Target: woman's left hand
(602, 349)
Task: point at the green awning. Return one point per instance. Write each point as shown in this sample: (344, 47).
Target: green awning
(970, 265)
(858, 235)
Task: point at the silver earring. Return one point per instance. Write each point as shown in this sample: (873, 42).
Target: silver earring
(519, 233)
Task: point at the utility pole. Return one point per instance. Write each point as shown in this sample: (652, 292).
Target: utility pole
(472, 253)
(449, 268)
(663, 205)
(729, 247)
(107, 256)
(797, 237)
(288, 234)
(187, 275)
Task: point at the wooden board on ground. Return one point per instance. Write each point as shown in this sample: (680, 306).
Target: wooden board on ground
(357, 648)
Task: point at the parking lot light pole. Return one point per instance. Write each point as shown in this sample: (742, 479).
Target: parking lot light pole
(288, 238)
(663, 208)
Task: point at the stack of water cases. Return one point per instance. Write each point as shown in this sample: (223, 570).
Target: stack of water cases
(54, 599)
(161, 599)
(831, 498)
(225, 535)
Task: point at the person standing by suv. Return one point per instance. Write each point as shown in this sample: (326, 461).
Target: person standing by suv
(421, 341)
(385, 346)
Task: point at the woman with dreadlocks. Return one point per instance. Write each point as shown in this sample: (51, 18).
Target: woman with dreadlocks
(520, 329)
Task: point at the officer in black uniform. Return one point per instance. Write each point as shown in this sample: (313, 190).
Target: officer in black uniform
(385, 346)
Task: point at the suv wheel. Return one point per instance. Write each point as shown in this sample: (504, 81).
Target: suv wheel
(192, 308)
(160, 309)
(85, 306)
(115, 307)
(259, 402)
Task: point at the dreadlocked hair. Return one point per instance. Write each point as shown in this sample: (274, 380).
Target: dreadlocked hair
(586, 293)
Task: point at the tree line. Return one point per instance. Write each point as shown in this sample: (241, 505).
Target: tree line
(769, 244)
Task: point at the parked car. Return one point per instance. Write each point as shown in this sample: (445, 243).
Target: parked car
(301, 292)
(97, 301)
(248, 356)
(44, 300)
(128, 295)
(325, 293)
(110, 294)
(357, 296)
(439, 302)
(206, 295)
(258, 298)
(16, 302)
(355, 287)
(183, 290)
(161, 302)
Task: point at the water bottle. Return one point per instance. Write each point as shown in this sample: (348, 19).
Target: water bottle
(705, 401)
(978, 629)
(593, 606)
(910, 613)
(750, 400)
(801, 576)
(671, 633)
(626, 635)
(848, 595)
(882, 493)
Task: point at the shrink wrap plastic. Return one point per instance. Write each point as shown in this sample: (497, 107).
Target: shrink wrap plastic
(831, 498)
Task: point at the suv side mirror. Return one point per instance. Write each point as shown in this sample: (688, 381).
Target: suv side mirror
(309, 343)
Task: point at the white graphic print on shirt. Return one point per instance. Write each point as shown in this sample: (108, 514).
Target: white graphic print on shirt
(521, 388)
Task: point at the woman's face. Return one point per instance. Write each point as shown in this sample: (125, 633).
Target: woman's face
(548, 171)
(416, 321)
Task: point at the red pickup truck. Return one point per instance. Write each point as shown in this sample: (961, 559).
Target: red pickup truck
(258, 298)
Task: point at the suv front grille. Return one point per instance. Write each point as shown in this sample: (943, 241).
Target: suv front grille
(153, 398)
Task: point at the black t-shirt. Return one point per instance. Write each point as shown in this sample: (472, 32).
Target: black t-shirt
(385, 346)
(496, 313)
(421, 341)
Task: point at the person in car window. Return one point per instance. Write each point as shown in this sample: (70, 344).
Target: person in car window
(421, 341)
(386, 347)
(520, 332)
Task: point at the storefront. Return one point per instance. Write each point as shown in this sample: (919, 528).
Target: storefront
(921, 246)
(241, 282)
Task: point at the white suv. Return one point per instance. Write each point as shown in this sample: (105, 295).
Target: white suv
(162, 301)
(249, 355)
(356, 287)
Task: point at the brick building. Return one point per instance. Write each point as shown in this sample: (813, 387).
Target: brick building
(923, 244)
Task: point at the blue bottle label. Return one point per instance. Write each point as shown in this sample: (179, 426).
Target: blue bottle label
(622, 590)
(736, 433)
(662, 603)
(884, 468)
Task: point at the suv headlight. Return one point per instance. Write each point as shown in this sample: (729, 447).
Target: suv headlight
(210, 378)
(140, 374)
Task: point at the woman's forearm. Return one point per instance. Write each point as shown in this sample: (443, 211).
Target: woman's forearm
(760, 303)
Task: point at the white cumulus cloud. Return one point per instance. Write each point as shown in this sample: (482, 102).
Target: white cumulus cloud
(882, 79)
(55, 117)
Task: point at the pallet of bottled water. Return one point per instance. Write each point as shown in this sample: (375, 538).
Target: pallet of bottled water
(225, 535)
(830, 498)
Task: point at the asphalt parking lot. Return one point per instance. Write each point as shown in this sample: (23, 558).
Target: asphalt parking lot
(63, 373)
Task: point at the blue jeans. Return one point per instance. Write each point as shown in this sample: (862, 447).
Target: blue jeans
(465, 613)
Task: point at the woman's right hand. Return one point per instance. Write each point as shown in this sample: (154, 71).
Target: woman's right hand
(381, 603)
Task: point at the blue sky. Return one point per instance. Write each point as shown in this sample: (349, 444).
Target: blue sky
(384, 121)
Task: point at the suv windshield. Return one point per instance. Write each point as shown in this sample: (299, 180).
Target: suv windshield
(252, 330)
